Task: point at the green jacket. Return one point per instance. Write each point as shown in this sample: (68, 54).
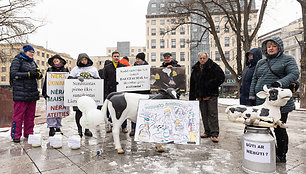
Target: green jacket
(283, 65)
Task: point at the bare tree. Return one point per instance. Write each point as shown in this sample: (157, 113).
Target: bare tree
(303, 58)
(16, 21)
(236, 11)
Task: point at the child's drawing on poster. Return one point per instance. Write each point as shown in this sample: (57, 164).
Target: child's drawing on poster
(168, 121)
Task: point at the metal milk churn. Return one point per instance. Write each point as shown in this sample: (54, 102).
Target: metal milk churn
(258, 150)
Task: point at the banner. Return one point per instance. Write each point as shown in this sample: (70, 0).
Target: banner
(55, 91)
(89, 87)
(164, 78)
(165, 121)
(133, 78)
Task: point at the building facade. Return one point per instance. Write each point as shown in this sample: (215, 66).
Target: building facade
(8, 52)
(125, 49)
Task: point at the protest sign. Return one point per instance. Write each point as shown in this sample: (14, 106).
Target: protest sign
(133, 78)
(55, 91)
(75, 89)
(164, 78)
(164, 121)
(257, 151)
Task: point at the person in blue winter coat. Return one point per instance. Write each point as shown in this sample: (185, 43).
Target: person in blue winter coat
(252, 56)
(57, 64)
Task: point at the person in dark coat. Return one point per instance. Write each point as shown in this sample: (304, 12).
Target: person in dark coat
(252, 57)
(83, 70)
(24, 74)
(57, 64)
(206, 77)
(169, 62)
(110, 83)
(285, 66)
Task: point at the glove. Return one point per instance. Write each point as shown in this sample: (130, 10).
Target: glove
(252, 102)
(33, 74)
(275, 84)
(81, 78)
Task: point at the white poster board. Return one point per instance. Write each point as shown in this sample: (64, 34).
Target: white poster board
(89, 87)
(55, 91)
(257, 152)
(133, 78)
(165, 121)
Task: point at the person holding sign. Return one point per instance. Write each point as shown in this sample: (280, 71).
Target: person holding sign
(83, 70)
(110, 83)
(206, 77)
(24, 74)
(57, 64)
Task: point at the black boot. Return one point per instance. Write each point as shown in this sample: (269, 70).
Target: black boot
(59, 130)
(78, 116)
(52, 132)
(88, 133)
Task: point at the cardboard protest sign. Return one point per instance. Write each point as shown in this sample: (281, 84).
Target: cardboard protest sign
(75, 89)
(257, 151)
(133, 78)
(164, 121)
(164, 78)
(55, 91)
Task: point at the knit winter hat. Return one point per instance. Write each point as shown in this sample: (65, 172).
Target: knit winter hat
(126, 58)
(141, 56)
(27, 48)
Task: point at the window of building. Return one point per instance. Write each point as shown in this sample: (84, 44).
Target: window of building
(227, 55)
(3, 69)
(182, 43)
(182, 56)
(217, 56)
(217, 19)
(109, 51)
(153, 22)
(153, 57)
(3, 60)
(162, 43)
(181, 21)
(3, 78)
(226, 29)
(173, 55)
(182, 30)
(225, 19)
(161, 57)
(37, 61)
(153, 5)
(249, 28)
(153, 43)
(218, 29)
(227, 71)
(42, 54)
(162, 5)
(162, 22)
(47, 56)
(162, 31)
(227, 41)
(153, 31)
(173, 32)
(132, 50)
(139, 50)
(4, 51)
(173, 21)
(173, 43)
(42, 63)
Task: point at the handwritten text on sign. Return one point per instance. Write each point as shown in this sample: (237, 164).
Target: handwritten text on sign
(55, 91)
(165, 121)
(89, 87)
(257, 152)
(133, 78)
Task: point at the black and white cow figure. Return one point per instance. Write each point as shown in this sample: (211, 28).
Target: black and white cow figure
(265, 115)
(124, 105)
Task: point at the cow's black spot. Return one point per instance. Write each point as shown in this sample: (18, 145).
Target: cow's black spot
(232, 110)
(264, 112)
(255, 110)
(119, 104)
(273, 93)
(238, 109)
(248, 115)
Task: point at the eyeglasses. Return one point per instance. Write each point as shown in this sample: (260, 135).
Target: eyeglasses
(116, 56)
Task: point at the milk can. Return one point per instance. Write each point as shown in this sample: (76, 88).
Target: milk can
(258, 150)
(56, 141)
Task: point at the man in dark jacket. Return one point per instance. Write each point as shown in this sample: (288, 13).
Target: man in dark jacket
(24, 74)
(252, 57)
(110, 83)
(169, 62)
(206, 77)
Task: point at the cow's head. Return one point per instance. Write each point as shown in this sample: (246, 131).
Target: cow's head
(275, 96)
(167, 94)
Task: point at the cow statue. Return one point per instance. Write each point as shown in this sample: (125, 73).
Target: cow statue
(124, 105)
(265, 115)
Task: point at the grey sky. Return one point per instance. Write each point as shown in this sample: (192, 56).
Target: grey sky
(75, 26)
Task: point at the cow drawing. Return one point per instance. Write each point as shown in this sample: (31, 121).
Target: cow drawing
(122, 106)
(265, 115)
